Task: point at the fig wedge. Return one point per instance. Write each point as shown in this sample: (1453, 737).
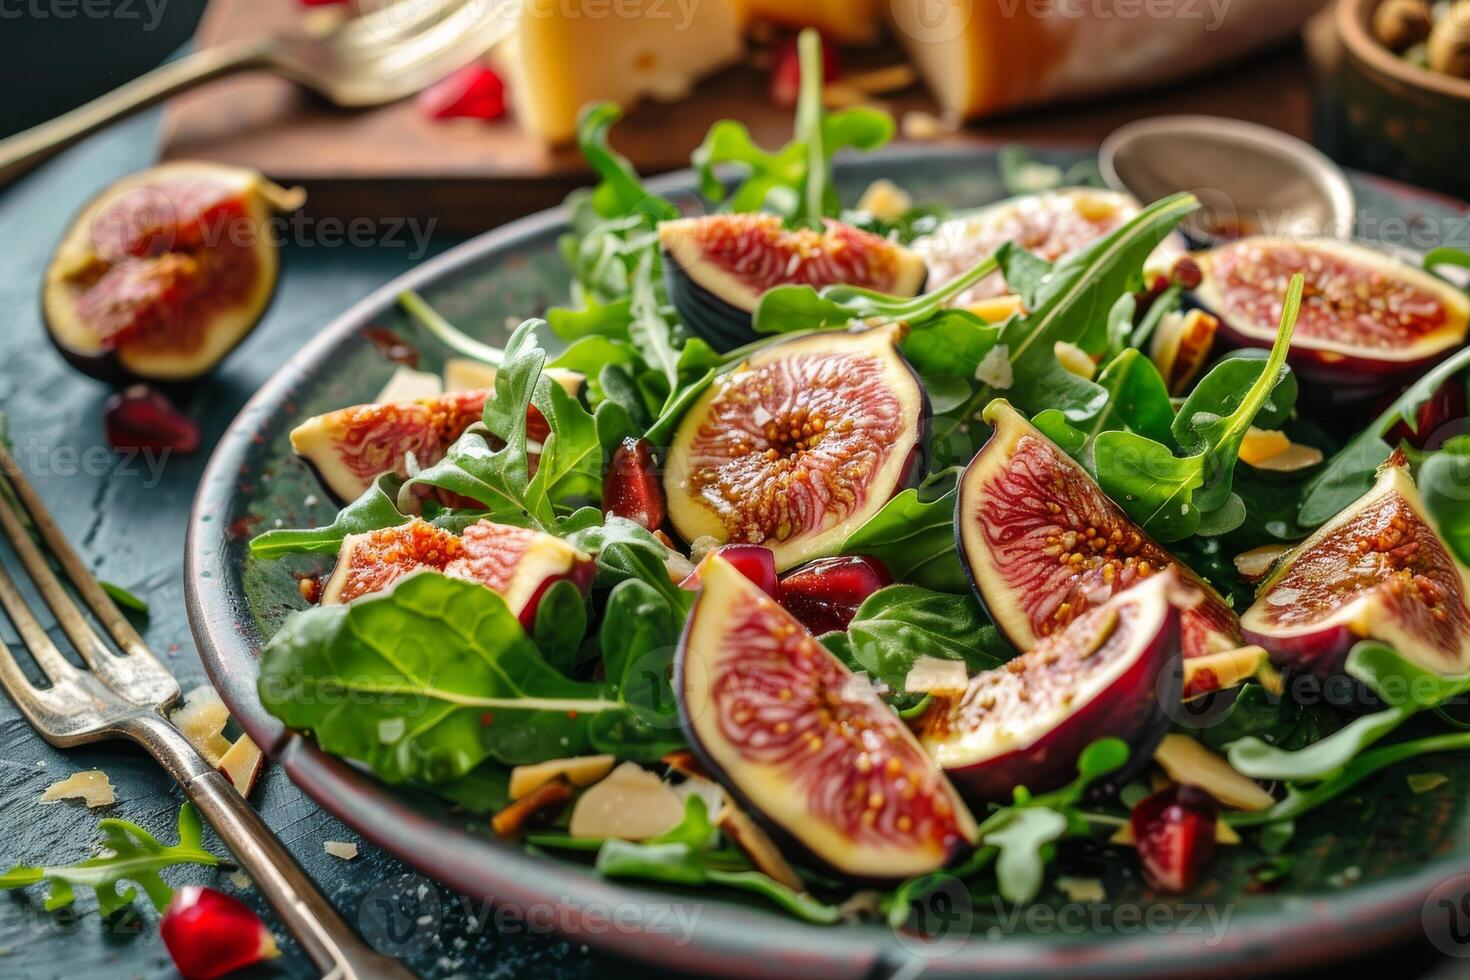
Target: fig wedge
(799, 446)
(1377, 570)
(806, 746)
(1042, 543)
(1026, 723)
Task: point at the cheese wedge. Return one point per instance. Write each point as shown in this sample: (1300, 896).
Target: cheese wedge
(843, 21)
(567, 53)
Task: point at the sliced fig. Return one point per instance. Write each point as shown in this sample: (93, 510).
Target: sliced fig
(1042, 543)
(800, 445)
(632, 488)
(351, 447)
(165, 272)
(1367, 318)
(1377, 570)
(1050, 224)
(752, 561)
(827, 593)
(1174, 831)
(718, 266)
(516, 562)
(806, 746)
(1026, 724)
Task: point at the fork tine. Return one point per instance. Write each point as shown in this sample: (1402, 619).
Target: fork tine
(123, 676)
(429, 45)
(32, 634)
(396, 21)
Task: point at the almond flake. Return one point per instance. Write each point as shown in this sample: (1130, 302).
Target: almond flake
(346, 850)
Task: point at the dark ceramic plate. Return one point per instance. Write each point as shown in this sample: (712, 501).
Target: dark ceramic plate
(1363, 868)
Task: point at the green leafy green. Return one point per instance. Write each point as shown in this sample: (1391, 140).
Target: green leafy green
(640, 632)
(897, 625)
(377, 508)
(124, 598)
(913, 536)
(1444, 484)
(561, 624)
(131, 854)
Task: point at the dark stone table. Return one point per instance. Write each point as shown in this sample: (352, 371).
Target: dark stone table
(129, 523)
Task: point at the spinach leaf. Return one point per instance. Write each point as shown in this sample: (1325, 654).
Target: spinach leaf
(626, 550)
(1276, 719)
(424, 682)
(374, 510)
(1349, 474)
(1444, 484)
(483, 790)
(896, 626)
(639, 636)
(1022, 845)
(913, 536)
(1137, 402)
(131, 854)
(561, 624)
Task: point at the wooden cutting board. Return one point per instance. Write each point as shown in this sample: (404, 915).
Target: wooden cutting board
(393, 162)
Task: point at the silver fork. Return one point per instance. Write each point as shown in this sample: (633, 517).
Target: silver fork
(380, 57)
(125, 697)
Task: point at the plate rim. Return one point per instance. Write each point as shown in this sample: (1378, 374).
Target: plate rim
(729, 939)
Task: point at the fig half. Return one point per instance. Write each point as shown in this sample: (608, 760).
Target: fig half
(1026, 723)
(1367, 318)
(1377, 570)
(804, 744)
(1043, 544)
(719, 265)
(799, 446)
(166, 272)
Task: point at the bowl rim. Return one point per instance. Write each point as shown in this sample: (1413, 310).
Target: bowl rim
(1352, 17)
(728, 939)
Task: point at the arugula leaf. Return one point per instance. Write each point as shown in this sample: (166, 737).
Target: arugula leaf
(131, 854)
(424, 682)
(1444, 484)
(620, 193)
(1138, 402)
(374, 510)
(627, 550)
(897, 625)
(124, 598)
(1350, 474)
(639, 635)
(447, 333)
(1021, 843)
(913, 536)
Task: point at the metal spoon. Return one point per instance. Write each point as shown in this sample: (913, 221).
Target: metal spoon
(1249, 179)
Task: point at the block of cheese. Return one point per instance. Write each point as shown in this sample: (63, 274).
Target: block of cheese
(985, 56)
(844, 21)
(566, 53)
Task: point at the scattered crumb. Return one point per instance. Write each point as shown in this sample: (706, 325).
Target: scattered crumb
(241, 881)
(995, 368)
(1346, 876)
(345, 850)
(1424, 782)
(311, 500)
(92, 787)
(1082, 889)
(925, 126)
(886, 200)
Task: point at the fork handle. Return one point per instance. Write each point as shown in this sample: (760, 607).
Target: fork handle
(21, 152)
(332, 945)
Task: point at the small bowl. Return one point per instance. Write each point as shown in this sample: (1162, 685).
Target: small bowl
(1392, 117)
(1249, 179)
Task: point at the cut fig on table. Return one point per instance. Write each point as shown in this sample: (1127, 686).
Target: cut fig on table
(718, 266)
(1028, 722)
(1368, 318)
(1043, 544)
(799, 446)
(165, 272)
(806, 746)
(1378, 570)
(518, 563)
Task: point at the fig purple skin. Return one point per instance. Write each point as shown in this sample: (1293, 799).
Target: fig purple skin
(1109, 673)
(802, 744)
(1377, 570)
(1337, 343)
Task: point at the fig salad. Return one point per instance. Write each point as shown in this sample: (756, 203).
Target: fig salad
(848, 551)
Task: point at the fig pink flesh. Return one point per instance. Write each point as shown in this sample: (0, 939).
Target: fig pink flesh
(827, 593)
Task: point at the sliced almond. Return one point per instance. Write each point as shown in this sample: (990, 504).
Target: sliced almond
(579, 771)
(509, 821)
(1082, 889)
(1295, 457)
(1075, 359)
(630, 804)
(91, 786)
(1255, 564)
(409, 385)
(1219, 671)
(1187, 761)
(1261, 444)
(242, 764)
(757, 844)
(202, 719)
(932, 675)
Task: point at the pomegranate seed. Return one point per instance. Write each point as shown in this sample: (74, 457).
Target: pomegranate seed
(1175, 834)
(473, 92)
(751, 560)
(209, 934)
(826, 594)
(786, 71)
(632, 488)
(1188, 274)
(142, 418)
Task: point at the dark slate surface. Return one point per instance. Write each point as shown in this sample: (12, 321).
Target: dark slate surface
(129, 522)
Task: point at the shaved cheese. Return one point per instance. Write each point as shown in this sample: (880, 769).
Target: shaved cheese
(202, 720)
(1187, 761)
(932, 675)
(340, 849)
(92, 787)
(631, 804)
